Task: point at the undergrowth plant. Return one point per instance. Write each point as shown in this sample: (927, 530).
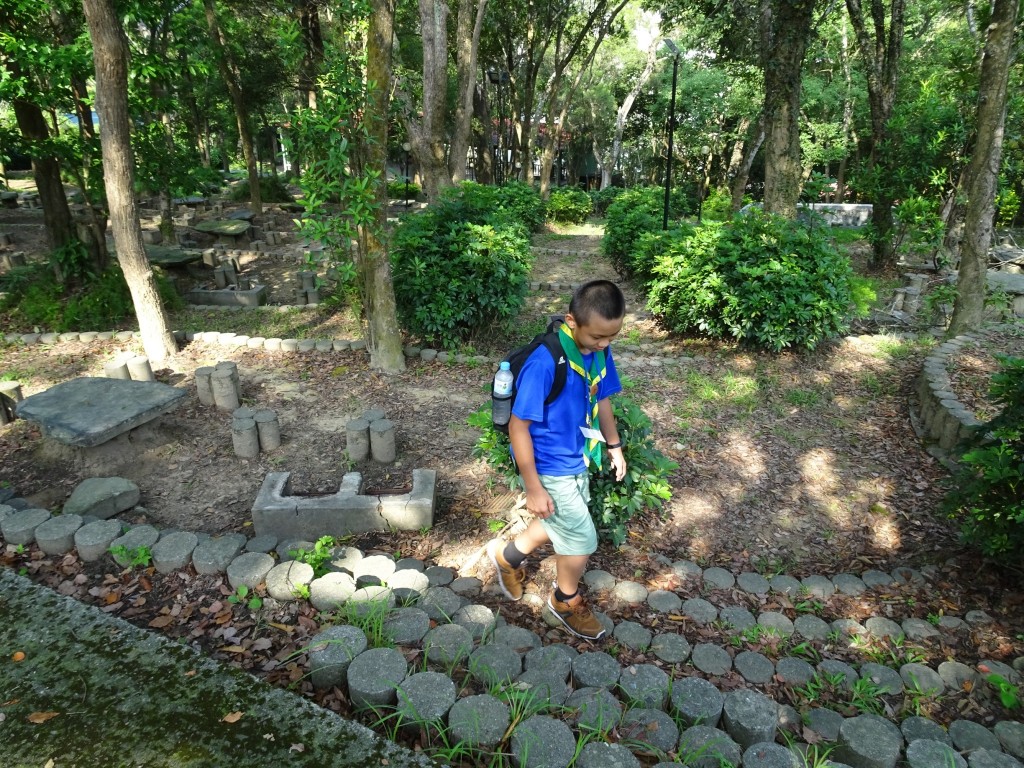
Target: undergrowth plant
(569, 205)
(758, 279)
(131, 557)
(612, 504)
(317, 558)
(987, 496)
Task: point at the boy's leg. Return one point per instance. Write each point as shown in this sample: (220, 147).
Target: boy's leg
(508, 558)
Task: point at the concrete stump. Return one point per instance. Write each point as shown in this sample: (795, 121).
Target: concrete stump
(228, 365)
(117, 369)
(357, 439)
(10, 395)
(308, 280)
(300, 297)
(204, 388)
(269, 430)
(382, 441)
(225, 396)
(140, 369)
(245, 438)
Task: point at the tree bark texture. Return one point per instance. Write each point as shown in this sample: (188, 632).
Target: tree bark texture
(426, 134)
(983, 170)
(467, 44)
(880, 51)
(229, 72)
(384, 341)
(751, 146)
(110, 56)
(790, 31)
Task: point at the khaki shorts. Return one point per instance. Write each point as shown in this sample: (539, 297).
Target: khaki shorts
(571, 529)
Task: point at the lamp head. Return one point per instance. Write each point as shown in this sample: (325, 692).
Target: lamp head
(673, 49)
(406, 146)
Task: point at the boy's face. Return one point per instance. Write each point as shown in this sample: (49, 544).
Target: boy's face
(597, 333)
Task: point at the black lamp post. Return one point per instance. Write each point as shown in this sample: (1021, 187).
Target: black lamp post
(705, 153)
(671, 127)
(407, 147)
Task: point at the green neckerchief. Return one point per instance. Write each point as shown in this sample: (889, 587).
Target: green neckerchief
(591, 447)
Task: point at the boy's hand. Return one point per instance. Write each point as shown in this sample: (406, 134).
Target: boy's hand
(539, 503)
(618, 460)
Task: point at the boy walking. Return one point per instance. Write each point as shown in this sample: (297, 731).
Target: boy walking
(553, 446)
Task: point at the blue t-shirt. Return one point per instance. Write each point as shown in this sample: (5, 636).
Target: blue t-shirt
(555, 429)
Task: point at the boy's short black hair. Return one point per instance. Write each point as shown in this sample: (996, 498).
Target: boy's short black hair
(600, 296)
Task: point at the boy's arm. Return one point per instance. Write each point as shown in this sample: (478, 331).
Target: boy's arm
(538, 501)
(606, 419)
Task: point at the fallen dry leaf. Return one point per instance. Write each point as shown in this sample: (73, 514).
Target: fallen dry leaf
(161, 621)
(232, 649)
(232, 717)
(42, 717)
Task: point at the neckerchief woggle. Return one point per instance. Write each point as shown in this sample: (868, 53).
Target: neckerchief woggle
(592, 446)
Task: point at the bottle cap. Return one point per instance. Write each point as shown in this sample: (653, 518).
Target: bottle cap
(505, 366)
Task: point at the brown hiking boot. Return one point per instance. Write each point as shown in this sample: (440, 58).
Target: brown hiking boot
(577, 617)
(509, 579)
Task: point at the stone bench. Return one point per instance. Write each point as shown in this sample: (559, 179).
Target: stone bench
(87, 412)
(277, 512)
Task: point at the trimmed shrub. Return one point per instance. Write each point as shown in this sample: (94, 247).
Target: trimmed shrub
(569, 205)
(759, 279)
(612, 504)
(518, 202)
(460, 267)
(633, 213)
(397, 189)
(988, 493)
(272, 190)
(601, 198)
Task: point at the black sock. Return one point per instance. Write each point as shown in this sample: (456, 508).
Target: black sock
(561, 597)
(512, 555)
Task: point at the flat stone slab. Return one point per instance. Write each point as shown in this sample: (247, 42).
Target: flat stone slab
(89, 411)
(222, 227)
(102, 497)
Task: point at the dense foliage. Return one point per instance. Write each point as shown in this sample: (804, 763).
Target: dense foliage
(632, 213)
(759, 278)
(600, 199)
(272, 190)
(461, 266)
(612, 504)
(569, 205)
(988, 495)
(33, 298)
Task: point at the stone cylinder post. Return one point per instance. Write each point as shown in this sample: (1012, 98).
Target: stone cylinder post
(245, 438)
(220, 277)
(300, 297)
(308, 280)
(373, 415)
(10, 396)
(140, 369)
(269, 430)
(117, 369)
(204, 388)
(357, 439)
(228, 365)
(382, 441)
(312, 297)
(225, 396)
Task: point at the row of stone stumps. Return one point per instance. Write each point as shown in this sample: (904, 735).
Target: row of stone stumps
(129, 367)
(253, 431)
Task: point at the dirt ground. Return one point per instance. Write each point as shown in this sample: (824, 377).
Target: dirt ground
(797, 461)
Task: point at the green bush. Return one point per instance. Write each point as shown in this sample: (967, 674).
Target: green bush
(272, 190)
(759, 278)
(104, 301)
(601, 198)
(518, 202)
(612, 504)
(633, 213)
(988, 493)
(397, 188)
(569, 205)
(717, 206)
(460, 267)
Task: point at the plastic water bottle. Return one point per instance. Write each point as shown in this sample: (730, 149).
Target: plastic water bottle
(501, 397)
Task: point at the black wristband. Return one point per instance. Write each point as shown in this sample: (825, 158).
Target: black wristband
(614, 445)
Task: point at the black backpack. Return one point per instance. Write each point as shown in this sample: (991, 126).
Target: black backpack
(517, 357)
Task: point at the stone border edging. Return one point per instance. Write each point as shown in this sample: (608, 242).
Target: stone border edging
(943, 418)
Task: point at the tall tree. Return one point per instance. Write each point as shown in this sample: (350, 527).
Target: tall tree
(110, 54)
(983, 170)
(787, 27)
(233, 80)
(880, 51)
(469, 25)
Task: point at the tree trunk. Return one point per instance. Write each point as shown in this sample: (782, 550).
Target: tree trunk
(312, 49)
(482, 138)
(881, 57)
(983, 170)
(427, 134)
(229, 71)
(110, 55)
(467, 44)
(790, 34)
(384, 341)
(755, 137)
(625, 108)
